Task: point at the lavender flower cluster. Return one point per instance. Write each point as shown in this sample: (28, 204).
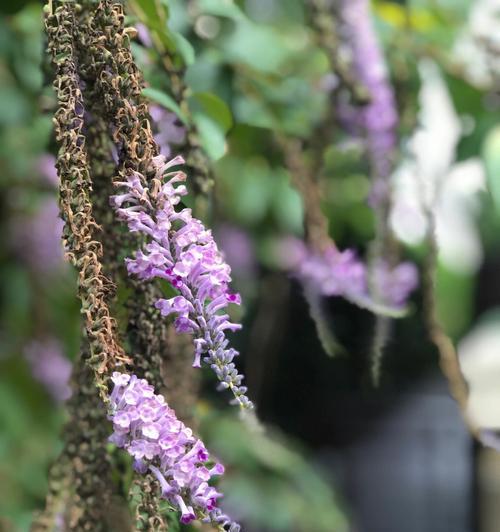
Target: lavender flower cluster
(148, 429)
(182, 251)
(342, 273)
(379, 117)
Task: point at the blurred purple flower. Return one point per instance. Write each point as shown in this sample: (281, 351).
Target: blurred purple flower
(46, 166)
(342, 273)
(149, 430)
(397, 283)
(379, 118)
(291, 252)
(335, 273)
(168, 129)
(237, 248)
(50, 367)
(36, 239)
(143, 34)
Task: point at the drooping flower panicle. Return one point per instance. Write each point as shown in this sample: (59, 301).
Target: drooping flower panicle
(337, 273)
(341, 273)
(182, 251)
(379, 117)
(148, 429)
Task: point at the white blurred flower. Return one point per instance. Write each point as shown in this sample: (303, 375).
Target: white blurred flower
(428, 179)
(475, 44)
(480, 363)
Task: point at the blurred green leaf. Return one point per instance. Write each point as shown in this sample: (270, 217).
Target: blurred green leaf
(167, 101)
(454, 295)
(266, 473)
(261, 48)
(221, 9)
(14, 106)
(286, 202)
(154, 15)
(211, 135)
(184, 48)
(151, 10)
(213, 119)
(213, 107)
(491, 157)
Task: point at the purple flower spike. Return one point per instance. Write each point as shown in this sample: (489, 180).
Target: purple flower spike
(182, 251)
(378, 119)
(147, 428)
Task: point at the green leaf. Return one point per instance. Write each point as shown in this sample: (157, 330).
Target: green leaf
(221, 9)
(259, 47)
(254, 112)
(184, 48)
(211, 136)
(454, 294)
(250, 194)
(155, 15)
(14, 106)
(150, 9)
(212, 106)
(167, 101)
(286, 203)
(213, 119)
(491, 156)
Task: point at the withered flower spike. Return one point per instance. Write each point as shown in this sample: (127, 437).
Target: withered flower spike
(83, 249)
